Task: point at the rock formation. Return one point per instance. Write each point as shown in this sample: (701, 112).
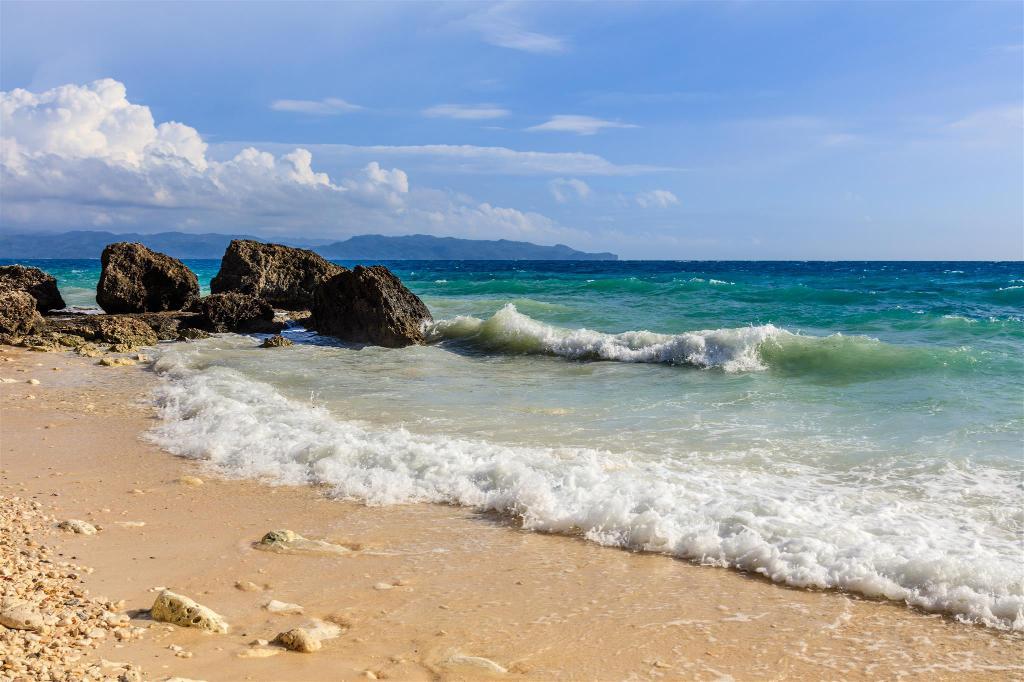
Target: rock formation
(33, 281)
(369, 305)
(122, 332)
(282, 275)
(18, 315)
(237, 312)
(137, 280)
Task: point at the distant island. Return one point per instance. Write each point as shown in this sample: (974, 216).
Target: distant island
(89, 244)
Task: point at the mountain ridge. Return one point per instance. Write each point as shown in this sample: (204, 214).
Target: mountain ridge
(90, 243)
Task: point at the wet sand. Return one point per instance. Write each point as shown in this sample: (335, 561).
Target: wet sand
(429, 590)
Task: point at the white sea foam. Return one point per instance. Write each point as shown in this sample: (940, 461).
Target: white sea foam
(509, 330)
(867, 531)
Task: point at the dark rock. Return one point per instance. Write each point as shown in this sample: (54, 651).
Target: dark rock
(276, 341)
(18, 316)
(237, 312)
(137, 280)
(192, 334)
(122, 332)
(33, 281)
(169, 324)
(282, 275)
(369, 305)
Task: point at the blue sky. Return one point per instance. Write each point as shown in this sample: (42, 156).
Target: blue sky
(655, 130)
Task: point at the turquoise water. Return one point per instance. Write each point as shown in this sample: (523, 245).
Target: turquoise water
(856, 426)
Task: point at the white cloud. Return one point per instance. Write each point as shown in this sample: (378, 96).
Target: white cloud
(475, 112)
(566, 189)
(85, 155)
(581, 125)
(498, 26)
(656, 198)
(476, 159)
(330, 106)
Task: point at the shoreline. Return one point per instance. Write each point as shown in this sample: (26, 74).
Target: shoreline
(429, 591)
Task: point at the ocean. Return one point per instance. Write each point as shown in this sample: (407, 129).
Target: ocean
(851, 426)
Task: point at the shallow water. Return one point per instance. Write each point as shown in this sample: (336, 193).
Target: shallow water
(847, 425)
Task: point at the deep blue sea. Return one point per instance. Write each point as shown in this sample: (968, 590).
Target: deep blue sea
(857, 426)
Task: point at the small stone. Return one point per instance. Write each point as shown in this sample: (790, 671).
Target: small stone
(275, 606)
(247, 586)
(259, 652)
(116, 362)
(77, 526)
(190, 480)
(276, 341)
(383, 586)
(34, 382)
(180, 610)
(18, 614)
(299, 639)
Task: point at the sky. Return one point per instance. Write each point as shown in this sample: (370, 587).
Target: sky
(727, 130)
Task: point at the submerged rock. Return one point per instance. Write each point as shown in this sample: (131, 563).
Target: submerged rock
(287, 541)
(282, 275)
(135, 279)
(236, 312)
(18, 316)
(276, 341)
(369, 305)
(192, 334)
(308, 638)
(34, 282)
(178, 609)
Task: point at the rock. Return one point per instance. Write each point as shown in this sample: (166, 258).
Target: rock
(123, 332)
(169, 325)
(236, 312)
(275, 606)
(282, 275)
(308, 638)
(247, 586)
(276, 341)
(137, 280)
(298, 639)
(287, 541)
(116, 362)
(180, 610)
(191, 334)
(18, 316)
(34, 282)
(190, 480)
(18, 614)
(369, 305)
(77, 526)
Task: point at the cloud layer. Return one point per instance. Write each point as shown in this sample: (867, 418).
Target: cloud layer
(83, 155)
(581, 125)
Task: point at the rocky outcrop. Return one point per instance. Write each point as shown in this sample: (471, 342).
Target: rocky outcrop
(170, 325)
(369, 305)
(137, 280)
(122, 332)
(282, 275)
(36, 283)
(236, 312)
(178, 609)
(18, 315)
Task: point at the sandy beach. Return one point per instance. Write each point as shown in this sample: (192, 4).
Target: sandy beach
(427, 592)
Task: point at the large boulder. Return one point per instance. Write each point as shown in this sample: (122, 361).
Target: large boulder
(33, 281)
(137, 280)
(282, 275)
(18, 315)
(237, 312)
(369, 305)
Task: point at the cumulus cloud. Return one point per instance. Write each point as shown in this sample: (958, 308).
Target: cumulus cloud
(566, 189)
(581, 125)
(82, 155)
(330, 106)
(473, 112)
(656, 198)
